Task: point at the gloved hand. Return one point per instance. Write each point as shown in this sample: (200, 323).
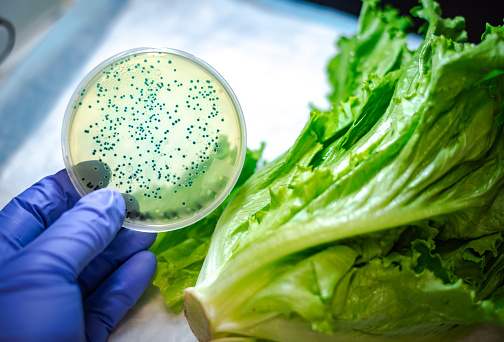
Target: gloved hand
(67, 271)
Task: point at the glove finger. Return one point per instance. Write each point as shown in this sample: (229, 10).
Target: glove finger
(30, 213)
(80, 234)
(126, 243)
(117, 294)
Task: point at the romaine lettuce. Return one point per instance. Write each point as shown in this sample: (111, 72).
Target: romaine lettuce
(384, 221)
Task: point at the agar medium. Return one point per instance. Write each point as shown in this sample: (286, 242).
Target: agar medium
(163, 128)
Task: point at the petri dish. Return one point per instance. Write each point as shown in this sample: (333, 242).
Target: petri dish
(162, 127)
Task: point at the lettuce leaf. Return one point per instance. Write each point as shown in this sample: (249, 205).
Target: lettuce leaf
(384, 221)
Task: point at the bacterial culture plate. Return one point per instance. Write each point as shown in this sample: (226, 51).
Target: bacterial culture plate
(163, 128)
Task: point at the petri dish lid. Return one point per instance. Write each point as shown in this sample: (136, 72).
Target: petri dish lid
(162, 127)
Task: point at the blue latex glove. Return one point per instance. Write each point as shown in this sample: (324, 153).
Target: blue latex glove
(67, 271)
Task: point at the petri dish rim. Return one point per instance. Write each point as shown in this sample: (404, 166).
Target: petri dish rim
(68, 119)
